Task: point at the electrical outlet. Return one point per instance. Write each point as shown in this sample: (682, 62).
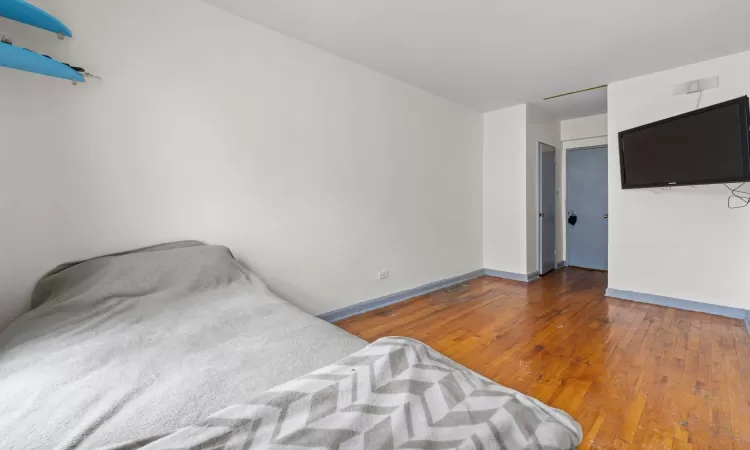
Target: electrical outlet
(382, 275)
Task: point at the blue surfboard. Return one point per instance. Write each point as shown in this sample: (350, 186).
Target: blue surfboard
(23, 12)
(22, 59)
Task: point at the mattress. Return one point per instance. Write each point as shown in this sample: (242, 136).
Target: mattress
(147, 342)
(395, 393)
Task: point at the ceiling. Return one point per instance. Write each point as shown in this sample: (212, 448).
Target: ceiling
(489, 54)
(582, 104)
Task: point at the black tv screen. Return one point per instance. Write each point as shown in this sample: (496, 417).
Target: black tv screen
(705, 146)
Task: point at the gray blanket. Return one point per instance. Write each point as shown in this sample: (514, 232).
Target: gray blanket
(395, 393)
(147, 342)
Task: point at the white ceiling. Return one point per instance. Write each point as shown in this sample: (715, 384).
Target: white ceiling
(583, 104)
(489, 54)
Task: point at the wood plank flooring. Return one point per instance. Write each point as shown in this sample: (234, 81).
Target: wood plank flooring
(634, 375)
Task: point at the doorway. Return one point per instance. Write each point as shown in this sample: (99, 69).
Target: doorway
(587, 207)
(547, 207)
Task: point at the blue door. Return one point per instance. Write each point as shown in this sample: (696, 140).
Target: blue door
(547, 207)
(587, 206)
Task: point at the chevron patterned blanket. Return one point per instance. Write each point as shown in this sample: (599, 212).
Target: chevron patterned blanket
(394, 393)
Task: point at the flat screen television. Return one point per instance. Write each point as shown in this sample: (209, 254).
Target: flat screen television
(705, 146)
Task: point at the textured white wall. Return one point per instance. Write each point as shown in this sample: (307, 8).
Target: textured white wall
(511, 143)
(682, 242)
(504, 198)
(545, 128)
(583, 127)
(315, 171)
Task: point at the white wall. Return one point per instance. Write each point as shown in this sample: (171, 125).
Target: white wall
(545, 128)
(683, 242)
(588, 131)
(504, 191)
(315, 171)
(510, 171)
(583, 127)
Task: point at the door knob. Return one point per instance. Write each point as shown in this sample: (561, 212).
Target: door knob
(606, 216)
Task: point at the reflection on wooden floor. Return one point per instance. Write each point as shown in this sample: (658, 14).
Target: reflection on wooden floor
(634, 375)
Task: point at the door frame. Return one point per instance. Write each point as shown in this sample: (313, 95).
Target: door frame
(539, 152)
(565, 200)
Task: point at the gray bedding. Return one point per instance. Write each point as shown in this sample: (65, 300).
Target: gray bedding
(394, 393)
(147, 342)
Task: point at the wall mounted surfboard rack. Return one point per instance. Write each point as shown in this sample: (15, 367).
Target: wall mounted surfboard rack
(23, 59)
(26, 13)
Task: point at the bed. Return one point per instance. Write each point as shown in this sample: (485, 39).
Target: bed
(180, 346)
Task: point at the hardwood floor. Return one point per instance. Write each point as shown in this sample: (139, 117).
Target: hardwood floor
(634, 375)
